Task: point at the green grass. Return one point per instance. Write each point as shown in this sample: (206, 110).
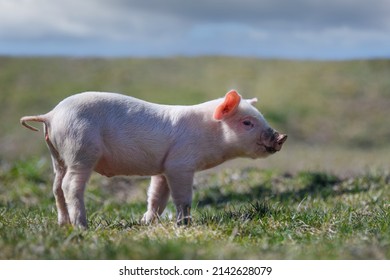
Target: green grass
(237, 214)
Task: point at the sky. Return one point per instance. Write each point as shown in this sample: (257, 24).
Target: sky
(292, 29)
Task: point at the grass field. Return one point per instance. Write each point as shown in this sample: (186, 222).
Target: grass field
(237, 214)
(326, 195)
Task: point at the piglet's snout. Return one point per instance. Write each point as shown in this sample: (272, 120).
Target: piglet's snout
(273, 140)
(280, 139)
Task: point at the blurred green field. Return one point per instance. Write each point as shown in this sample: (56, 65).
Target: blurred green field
(324, 196)
(329, 107)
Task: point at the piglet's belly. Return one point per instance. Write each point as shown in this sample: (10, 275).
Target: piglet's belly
(113, 167)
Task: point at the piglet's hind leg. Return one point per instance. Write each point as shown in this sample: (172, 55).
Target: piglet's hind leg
(73, 186)
(60, 170)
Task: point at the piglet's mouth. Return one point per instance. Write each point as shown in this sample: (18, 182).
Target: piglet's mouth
(270, 150)
(277, 145)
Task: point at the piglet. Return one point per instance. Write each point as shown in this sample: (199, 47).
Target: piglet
(114, 134)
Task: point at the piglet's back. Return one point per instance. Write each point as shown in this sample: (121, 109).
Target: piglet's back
(128, 135)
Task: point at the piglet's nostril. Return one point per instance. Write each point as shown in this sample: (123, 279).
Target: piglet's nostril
(281, 139)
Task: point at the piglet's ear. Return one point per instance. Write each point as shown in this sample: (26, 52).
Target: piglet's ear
(252, 101)
(228, 106)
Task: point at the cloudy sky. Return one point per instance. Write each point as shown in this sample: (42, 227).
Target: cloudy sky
(301, 29)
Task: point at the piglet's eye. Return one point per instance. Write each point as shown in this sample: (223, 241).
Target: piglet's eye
(247, 123)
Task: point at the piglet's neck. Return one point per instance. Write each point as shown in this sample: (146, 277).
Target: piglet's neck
(213, 143)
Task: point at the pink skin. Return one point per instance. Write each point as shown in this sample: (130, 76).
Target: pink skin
(114, 134)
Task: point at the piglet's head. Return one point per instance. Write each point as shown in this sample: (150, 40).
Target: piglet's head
(246, 132)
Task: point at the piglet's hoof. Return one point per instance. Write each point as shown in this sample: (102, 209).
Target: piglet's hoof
(185, 221)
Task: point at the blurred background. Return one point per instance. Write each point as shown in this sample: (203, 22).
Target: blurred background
(320, 69)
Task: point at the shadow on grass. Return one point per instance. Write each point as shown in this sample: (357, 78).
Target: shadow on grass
(287, 188)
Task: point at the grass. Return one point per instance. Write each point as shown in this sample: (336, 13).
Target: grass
(237, 214)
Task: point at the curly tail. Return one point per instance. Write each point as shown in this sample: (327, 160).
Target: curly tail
(26, 119)
(45, 120)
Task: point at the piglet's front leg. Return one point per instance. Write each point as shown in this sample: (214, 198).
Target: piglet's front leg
(183, 215)
(180, 184)
(158, 195)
